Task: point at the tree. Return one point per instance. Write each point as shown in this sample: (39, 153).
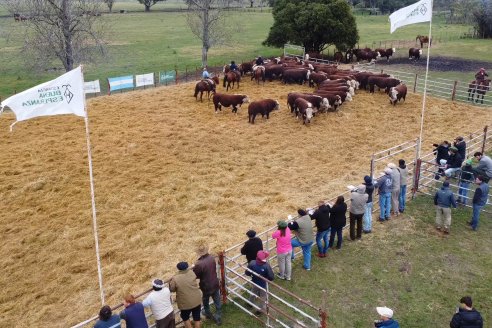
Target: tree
(149, 3)
(110, 4)
(66, 30)
(483, 19)
(316, 24)
(208, 22)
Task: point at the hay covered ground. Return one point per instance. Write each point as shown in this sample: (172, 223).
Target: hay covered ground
(169, 173)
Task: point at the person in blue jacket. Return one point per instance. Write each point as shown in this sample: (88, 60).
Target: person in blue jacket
(107, 319)
(386, 318)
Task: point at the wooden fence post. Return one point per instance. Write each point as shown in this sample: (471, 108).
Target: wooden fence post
(323, 312)
(484, 138)
(453, 94)
(415, 83)
(416, 177)
(223, 289)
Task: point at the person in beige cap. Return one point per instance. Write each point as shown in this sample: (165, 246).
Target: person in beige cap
(385, 318)
(395, 188)
(358, 199)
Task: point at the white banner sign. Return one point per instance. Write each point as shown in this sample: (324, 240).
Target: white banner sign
(417, 13)
(63, 95)
(144, 79)
(92, 87)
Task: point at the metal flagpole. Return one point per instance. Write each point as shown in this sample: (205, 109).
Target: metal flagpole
(425, 82)
(93, 200)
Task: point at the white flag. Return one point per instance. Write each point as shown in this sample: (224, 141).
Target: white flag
(63, 95)
(417, 13)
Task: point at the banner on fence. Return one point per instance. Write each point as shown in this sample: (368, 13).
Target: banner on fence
(120, 82)
(166, 77)
(92, 87)
(144, 79)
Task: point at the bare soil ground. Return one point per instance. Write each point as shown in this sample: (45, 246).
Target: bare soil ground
(438, 63)
(169, 173)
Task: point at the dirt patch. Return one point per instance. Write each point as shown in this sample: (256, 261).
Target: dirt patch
(169, 173)
(440, 64)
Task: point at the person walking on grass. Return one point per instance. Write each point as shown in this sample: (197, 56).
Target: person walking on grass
(303, 229)
(402, 167)
(159, 301)
(260, 268)
(188, 295)
(384, 185)
(444, 199)
(479, 200)
(322, 218)
(358, 200)
(367, 220)
(466, 316)
(284, 250)
(338, 221)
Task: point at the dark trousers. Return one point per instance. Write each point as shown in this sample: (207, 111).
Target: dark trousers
(338, 232)
(353, 219)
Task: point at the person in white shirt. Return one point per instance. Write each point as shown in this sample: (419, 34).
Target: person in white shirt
(159, 301)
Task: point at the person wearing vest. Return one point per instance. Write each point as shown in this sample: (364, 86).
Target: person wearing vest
(303, 230)
(159, 301)
(367, 220)
(403, 185)
(188, 294)
(133, 314)
(479, 200)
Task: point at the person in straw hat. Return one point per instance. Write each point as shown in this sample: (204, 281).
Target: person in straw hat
(386, 318)
(188, 294)
(205, 270)
(159, 301)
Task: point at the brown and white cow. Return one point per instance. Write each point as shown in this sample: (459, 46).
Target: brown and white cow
(414, 53)
(221, 99)
(304, 109)
(295, 75)
(397, 93)
(334, 98)
(382, 83)
(317, 78)
(262, 107)
(386, 53)
(319, 103)
(327, 93)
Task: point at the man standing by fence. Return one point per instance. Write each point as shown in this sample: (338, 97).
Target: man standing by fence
(303, 229)
(384, 184)
(261, 269)
(479, 200)
(443, 200)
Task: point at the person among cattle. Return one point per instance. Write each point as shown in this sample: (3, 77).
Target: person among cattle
(395, 188)
(256, 269)
(481, 74)
(466, 316)
(402, 167)
(107, 319)
(133, 314)
(384, 184)
(159, 300)
(338, 220)
(444, 199)
(284, 250)
(442, 154)
(367, 220)
(465, 180)
(259, 61)
(233, 66)
(454, 162)
(460, 143)
(251, 246)
(205, 270)
(479, 200)
(358, 200)
(303, 230)
(188, 294)
(322, 219)
(484, 167)
(205, 73)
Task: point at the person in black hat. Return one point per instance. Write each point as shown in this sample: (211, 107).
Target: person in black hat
(159, 301)
(251, 246)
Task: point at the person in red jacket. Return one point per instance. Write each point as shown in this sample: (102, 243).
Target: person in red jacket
(481, 74)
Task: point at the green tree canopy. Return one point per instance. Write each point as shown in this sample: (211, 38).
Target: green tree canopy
(316, 24)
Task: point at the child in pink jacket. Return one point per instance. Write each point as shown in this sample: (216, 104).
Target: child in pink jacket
(284, 250)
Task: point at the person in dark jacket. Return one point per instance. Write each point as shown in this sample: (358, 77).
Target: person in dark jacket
(454, 162)
(107, 319)
(481, 74)
(442, 154)
(460, 143)
(367, 220)
(233, 66)
(251, 246)
(443, 200)
(338, 220)
(384, 185)
(479, 200)
(206, 270)
(259, 61)
(133, 314)
(322, 218)
(465, 180)
(466, 316)
(260, 268)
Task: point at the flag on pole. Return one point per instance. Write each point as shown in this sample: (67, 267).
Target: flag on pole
(63, 95)
(417, 13)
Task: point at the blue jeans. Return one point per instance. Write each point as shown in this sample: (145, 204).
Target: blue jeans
(322, 237)
(385, 205)
(367, 220)
(403, 198)
(206, 306)
(306, 252)
(463, 191)
(476, 215)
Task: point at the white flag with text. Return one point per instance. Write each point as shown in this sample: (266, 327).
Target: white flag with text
(417, 13)
(63, 95)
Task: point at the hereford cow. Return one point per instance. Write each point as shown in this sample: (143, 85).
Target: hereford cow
(366, 54)
(386, 53)
(362, 78)
(296, 75)
(262, 107)
(334, 98)
(304, 109)
(382, 83)
(397, 93)
(318, 103)
(327, 93)
(348, 89)
(221, 99)
(245, 68)
(414, 53)
(317, 78)
(273, 71)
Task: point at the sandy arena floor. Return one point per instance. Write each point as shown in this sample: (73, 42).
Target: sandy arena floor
(170, 173)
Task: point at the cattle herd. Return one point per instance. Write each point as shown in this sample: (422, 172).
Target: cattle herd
(332, 86)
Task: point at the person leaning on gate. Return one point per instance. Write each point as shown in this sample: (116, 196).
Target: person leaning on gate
(444, 199)
(284, 250)
(367, 220)
(159, 301)
(358, 200)
(251, 246)
(107, 319)
(133, 314)
(395, 188)
(454, 162)
(442, 154)
(460, 143)
(303, 229)
(465, 180)
(188, 294)
(479, 201)
(402, 167)
(384, 184)
(322, 219)
(262, 268)
(466, 316)
(206, 271)
(484, 167)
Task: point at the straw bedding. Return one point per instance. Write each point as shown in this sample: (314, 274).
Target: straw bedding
(169, 174)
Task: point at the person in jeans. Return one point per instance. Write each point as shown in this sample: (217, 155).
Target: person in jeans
(466, 316)
(338, 221)
(284, 250)
(159, 301)
(256, 269)
(367, 220)
(358, 200)
(454, 162)
(402, 167)
(444, 199)
(322, 218)
(206, 270)
(466, 179)
(303, 229)
(384, 184)
(479, 200)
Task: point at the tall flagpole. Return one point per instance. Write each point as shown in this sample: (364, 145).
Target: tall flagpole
(425, 81)
(93, 199)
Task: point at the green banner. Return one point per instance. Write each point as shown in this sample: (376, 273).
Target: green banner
(166, 77)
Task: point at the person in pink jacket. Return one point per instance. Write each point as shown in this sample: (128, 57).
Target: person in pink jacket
(284, 250)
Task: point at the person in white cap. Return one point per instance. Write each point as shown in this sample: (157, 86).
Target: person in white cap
(159, 300)
(386, 318)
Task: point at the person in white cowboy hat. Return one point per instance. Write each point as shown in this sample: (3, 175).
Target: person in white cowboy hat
(159, 301)
(386, 318)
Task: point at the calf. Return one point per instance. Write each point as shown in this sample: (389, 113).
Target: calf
(263, 107)
(304, 109)
(414, 53)
(397, 93)
(221, 99)
(382, 83)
